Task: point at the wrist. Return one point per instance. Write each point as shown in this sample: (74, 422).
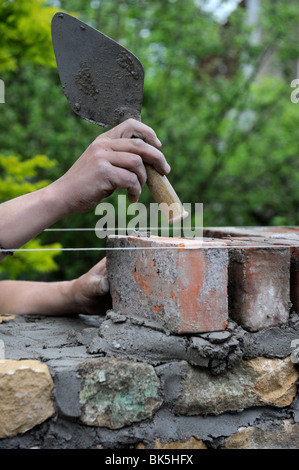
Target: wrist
(67, 291)
(55, 201)
(76, 296)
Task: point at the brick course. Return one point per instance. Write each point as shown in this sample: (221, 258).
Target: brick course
(192, 290)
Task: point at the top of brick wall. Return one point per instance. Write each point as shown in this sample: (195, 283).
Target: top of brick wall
(248, 273)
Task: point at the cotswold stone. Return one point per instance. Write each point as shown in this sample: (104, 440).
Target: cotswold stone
(25, 396)
(259, 381)
(284, 435)
(6, 317)
(117, 393)
(274, 380)
(191, 443)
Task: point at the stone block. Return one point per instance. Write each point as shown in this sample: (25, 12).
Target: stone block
(116, 393)
(25, 396)
(284, 435)
(180, 284)
(259, 381)
(191, 443)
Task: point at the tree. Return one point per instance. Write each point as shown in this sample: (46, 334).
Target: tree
(226, 121)
(227, 125)
(24, 30)
(25, 34)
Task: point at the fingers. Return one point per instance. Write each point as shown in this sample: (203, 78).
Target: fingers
(99, 274)
(97, 277)
(99, 269)
(126, 157)
(129, 161)
(124, 179)
(104, 286)
(132, 128)
(113, 160)
(147, 152)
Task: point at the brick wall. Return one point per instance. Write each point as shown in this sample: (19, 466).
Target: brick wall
(199, 351)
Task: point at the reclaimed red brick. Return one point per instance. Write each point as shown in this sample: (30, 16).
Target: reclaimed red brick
(179, 283)
(294, 278)
(283, 236)
(259, 285)
(269, 232)
(293, 246)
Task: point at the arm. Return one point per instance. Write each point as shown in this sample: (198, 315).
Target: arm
(87, 294)
(113, 160)
(24, 217)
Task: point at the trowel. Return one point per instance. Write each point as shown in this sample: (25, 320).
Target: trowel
(103, 83)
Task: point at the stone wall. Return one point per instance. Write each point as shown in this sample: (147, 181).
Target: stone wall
(137, 379)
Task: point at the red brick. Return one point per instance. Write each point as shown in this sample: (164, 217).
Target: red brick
(179, 283)
(294, 278)
(285, 236)
(270, 232)
(294, 269)
(293, 245)
(259, 285)
(275, 237)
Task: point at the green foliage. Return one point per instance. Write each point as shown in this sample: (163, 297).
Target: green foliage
(25, 264)
(17, 177)
(25, 39)
(25, 34)
(224, 115)
(219, 102)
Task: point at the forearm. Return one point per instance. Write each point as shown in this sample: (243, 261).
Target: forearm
(38, 298)
(23, 218)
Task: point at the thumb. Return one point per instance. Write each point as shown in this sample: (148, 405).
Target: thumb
(104, 286)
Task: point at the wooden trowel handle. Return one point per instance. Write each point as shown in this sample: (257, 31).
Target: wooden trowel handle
(163, 192)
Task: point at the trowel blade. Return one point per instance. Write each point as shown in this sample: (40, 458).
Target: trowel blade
(103, 81)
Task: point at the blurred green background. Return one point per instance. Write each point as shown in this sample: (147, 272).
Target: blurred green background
(217, 92)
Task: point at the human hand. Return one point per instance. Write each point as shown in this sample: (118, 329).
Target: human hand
(113, 160)
(91, 290)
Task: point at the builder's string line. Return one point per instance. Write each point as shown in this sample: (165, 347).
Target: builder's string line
(118, 229)
(176, 247)
(180, 246)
